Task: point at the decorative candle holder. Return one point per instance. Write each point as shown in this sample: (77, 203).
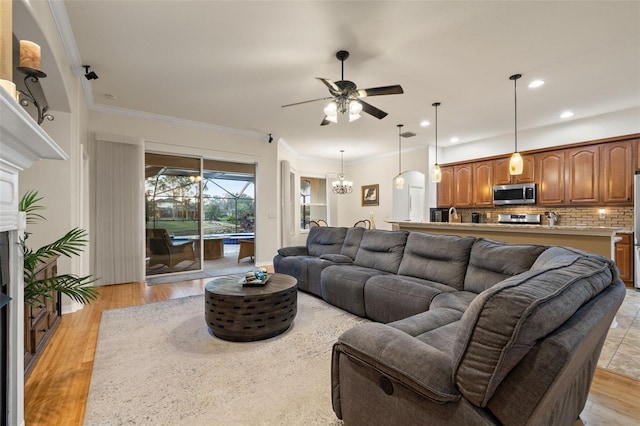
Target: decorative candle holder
(34, 94)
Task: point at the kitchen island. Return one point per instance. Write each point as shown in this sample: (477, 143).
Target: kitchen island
(595, 239)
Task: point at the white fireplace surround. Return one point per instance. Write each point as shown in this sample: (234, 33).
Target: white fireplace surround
(22, 142)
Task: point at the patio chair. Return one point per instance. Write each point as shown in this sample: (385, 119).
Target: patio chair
(164, 252)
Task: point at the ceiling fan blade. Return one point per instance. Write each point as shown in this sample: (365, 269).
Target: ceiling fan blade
(333, 88)
(377, 91)
(370, 109)
(306, 102)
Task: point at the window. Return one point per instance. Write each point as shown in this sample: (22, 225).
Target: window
(313, 200)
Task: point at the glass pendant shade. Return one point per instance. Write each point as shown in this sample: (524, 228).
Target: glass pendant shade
(436, 174)
(516, 165)
(331, 109)
(399, 179)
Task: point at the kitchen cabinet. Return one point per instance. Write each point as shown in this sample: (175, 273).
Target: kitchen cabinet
(582, 175)
(41, 319)
(550, 167)
(617, 172)
(624, 258)
(445, 188)
(463, 185)
(501, 174)
(482, 183)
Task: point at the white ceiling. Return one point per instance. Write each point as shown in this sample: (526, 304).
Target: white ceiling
(234, 63)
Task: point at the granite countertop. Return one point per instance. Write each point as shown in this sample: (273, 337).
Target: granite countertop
(503, 227)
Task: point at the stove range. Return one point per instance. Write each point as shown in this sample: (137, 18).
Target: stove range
(520, 219)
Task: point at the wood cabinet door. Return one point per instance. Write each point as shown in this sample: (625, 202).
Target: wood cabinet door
(528, 171)
(583, 175)
(501, 174)
(624, 256)
(617, 172)
(445, 188)
(482, 183)
(550, 171)
(462, 179)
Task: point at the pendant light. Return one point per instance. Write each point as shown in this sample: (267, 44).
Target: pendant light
(436, 174)
(399, 178)
(515, 163)
(342, 186)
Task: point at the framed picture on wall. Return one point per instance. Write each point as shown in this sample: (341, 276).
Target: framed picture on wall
(370, 195)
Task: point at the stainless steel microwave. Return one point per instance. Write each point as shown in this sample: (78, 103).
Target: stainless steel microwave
(524, 193)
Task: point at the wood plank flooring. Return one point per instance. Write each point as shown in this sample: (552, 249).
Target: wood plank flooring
(57, 389)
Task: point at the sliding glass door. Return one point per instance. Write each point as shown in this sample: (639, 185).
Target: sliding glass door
(198, 213)
(172, 214)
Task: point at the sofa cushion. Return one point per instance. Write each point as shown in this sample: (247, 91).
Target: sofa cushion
(504, 322)
(293, 251)
(337, 258)
(352, 242)
(381, 250)
(439, 258)
(325, 240)
(392, 297)
(457, 300)
(492, 261)
(343, 286)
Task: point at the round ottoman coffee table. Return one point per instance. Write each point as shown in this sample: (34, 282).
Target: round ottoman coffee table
(244, 314)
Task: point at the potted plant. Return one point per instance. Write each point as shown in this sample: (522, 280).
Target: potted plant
(70, 244)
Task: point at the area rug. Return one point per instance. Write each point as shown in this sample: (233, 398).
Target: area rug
(157, 364)
(162, 279)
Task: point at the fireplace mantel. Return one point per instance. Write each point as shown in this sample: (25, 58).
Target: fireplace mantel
(22, 143)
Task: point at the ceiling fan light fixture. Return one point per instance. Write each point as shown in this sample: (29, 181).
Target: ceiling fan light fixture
(355, 108)
(331, 109)
(332, 118)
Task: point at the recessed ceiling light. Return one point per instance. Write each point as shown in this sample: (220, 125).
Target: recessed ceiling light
(424, 123)
(566, 114)
(454, 139)
(536, 83)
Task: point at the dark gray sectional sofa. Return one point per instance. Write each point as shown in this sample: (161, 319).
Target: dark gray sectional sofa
(465, 330)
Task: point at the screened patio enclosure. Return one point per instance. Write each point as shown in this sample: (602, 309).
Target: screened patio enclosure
(194, 208)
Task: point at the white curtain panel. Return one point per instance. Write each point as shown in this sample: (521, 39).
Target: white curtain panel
(119, 231)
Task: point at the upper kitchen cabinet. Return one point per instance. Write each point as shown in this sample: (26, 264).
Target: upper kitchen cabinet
(463, 185)
(445, 187)
(482, 188)
(501, 174)
(583, 175)
(617, 172)
(550, 167)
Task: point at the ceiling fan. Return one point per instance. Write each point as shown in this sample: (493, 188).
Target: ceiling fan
(347, 98)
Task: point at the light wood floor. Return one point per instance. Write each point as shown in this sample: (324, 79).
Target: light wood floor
(56, 391)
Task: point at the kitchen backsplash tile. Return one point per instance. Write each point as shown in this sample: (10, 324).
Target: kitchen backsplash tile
(615, 216)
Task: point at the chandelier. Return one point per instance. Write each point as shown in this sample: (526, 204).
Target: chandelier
(342, 186)
(436, 174)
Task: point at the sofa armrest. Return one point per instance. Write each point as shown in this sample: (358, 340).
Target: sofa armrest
(417, 365)
(337, 258)
(293, 251)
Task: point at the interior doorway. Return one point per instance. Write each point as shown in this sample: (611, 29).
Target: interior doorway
(199, 213)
